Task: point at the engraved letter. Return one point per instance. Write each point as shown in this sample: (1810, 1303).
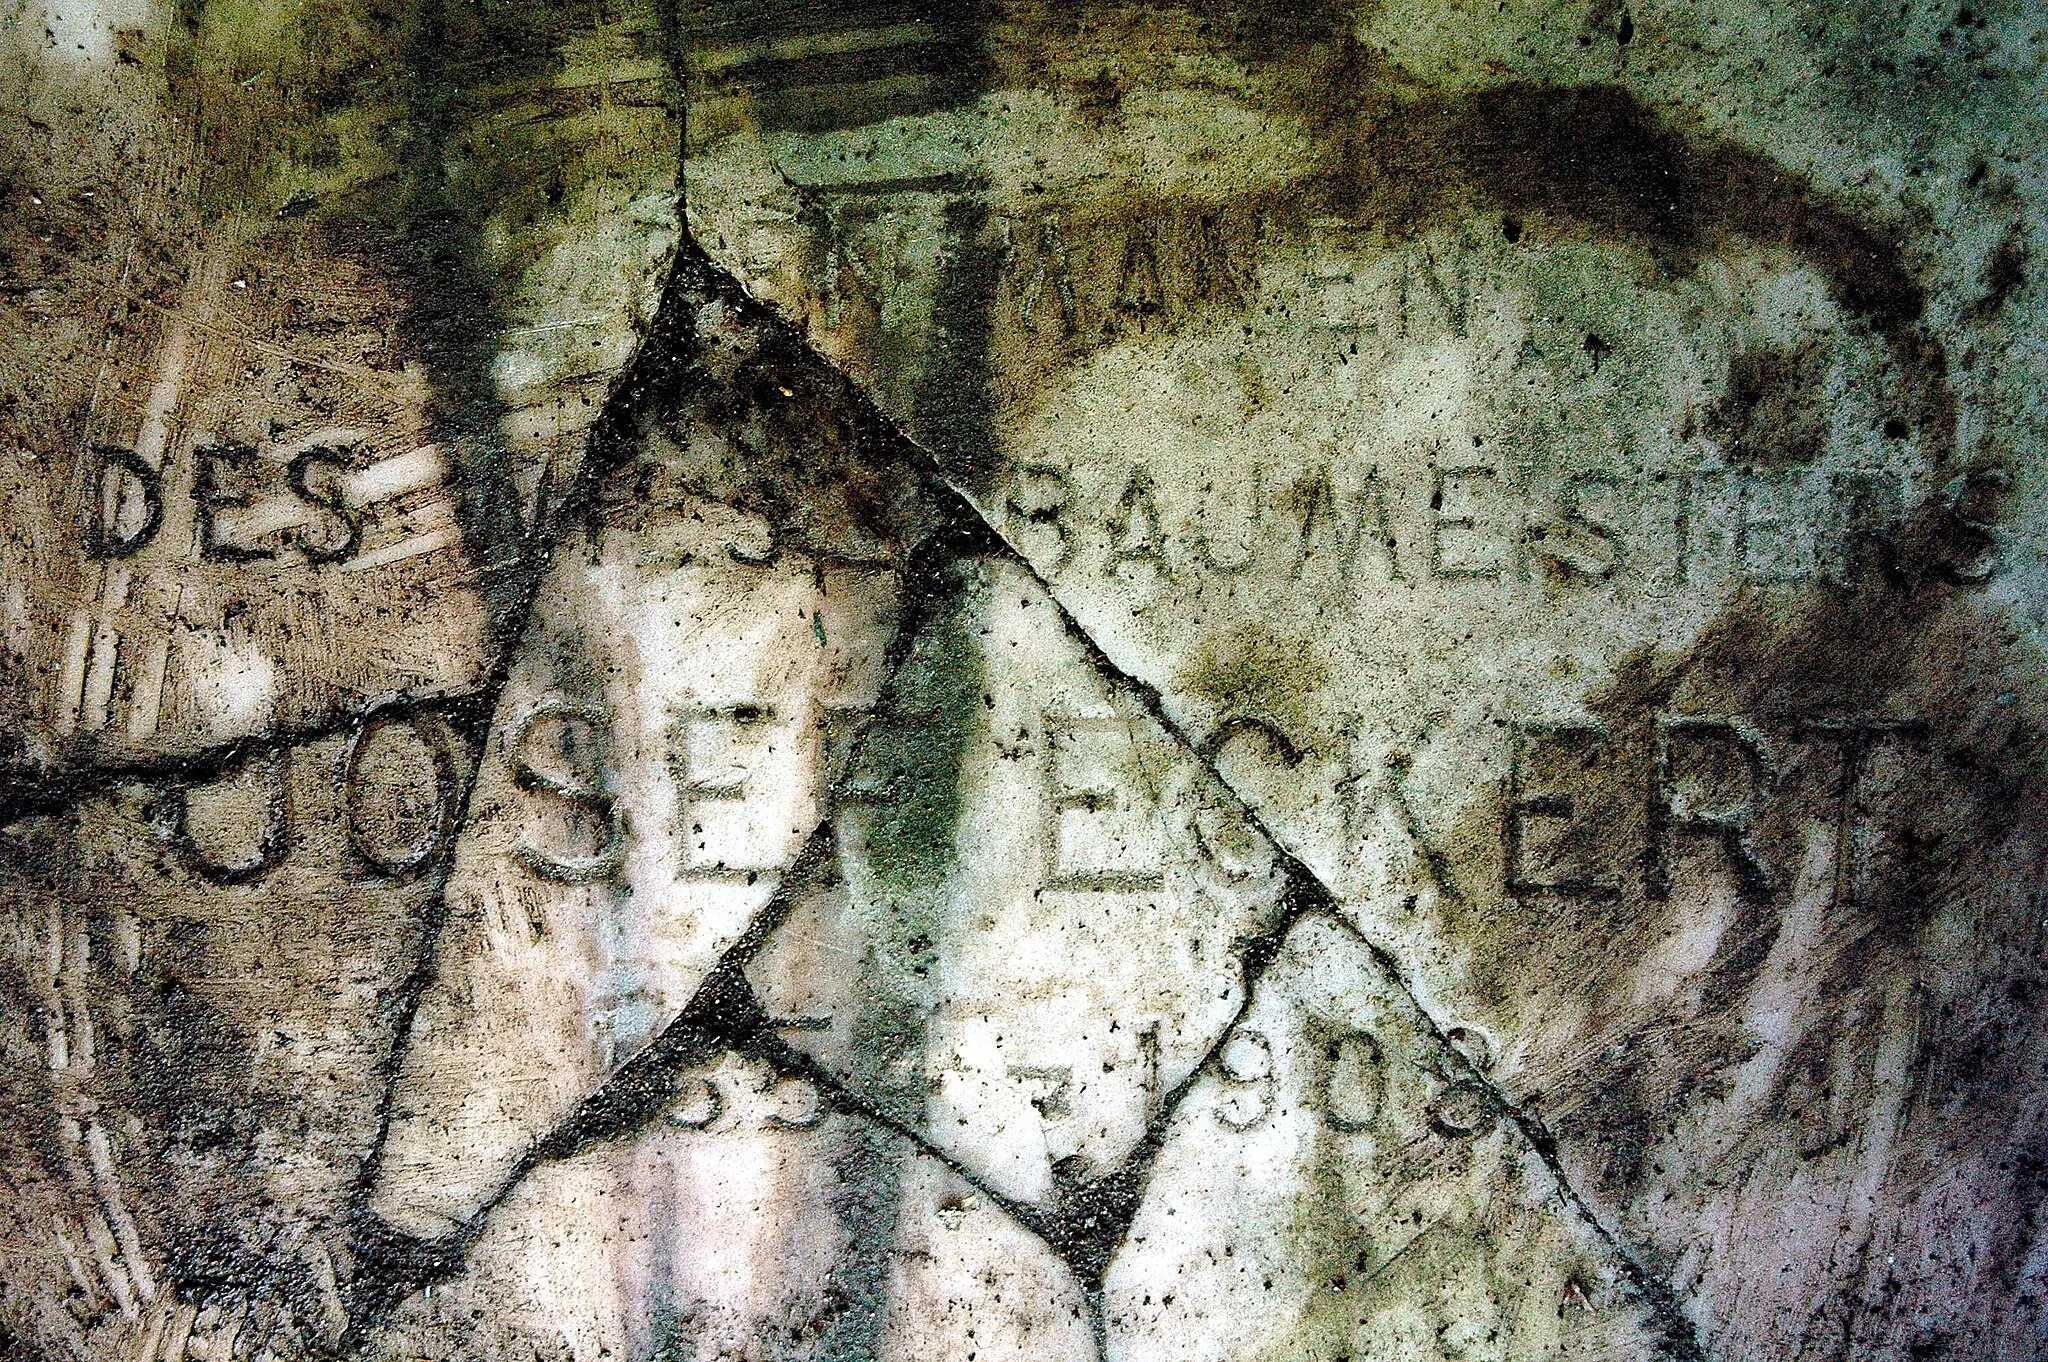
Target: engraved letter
(1245, 1061)
(692, 790)
(1065, 800)
(1672, 814)
(1868, 503)
(270, 849)
(1354, 1083)
(209, 497)
(1452, 552)
(1038, 499)
(1134, 529)
(1854, 742)
(586, 797)
(103, 532)
(1372, 532)
(406, 863)
(1530, 797)
(351, 520)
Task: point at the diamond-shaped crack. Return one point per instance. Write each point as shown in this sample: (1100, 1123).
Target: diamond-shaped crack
(1406, 431)
(707, 635)
(1081, 1203)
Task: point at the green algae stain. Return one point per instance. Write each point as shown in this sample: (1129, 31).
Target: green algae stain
(914, 754)
(870, 1194)
(1328, 1247)
(1253, 672)
(904, 802)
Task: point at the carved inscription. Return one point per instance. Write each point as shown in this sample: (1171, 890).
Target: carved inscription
(556, 751)
(1696, 786)
(398, 821)
(1470, 522)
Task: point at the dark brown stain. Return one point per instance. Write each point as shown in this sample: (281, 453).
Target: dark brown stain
(2004, 273)
(1773, 410)
(800, 446)
(1544, 162)
(1924, 964)
(1595, 160)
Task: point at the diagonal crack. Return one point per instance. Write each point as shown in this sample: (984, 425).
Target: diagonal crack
(24, 796)
(1091, 1219)
(391, 1264)
(1679, 1334)
(1678, 1331)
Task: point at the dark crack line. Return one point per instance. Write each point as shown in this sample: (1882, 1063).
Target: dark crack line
(392, 1264)
(1658, 1295)
(724, 1013)
(1678, 1332)
(1662, 1300)
(61, 791)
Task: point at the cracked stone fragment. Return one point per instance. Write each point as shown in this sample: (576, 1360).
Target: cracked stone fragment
(1571, 474)
(200, 980)
(657, 761)
(308, 309)
(747, 1219)
(1582, 491)
(1044, 909)
(1338, 1185)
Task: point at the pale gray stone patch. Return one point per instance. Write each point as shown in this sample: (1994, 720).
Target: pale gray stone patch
(659, 757)
(748, 1221)
(970, 1281)
(1081, 952)
(1339, 1185)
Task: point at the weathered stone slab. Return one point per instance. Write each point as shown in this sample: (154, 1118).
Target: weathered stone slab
(204, 984)
(1550, 466)
(309, 313)
(1453, 774)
